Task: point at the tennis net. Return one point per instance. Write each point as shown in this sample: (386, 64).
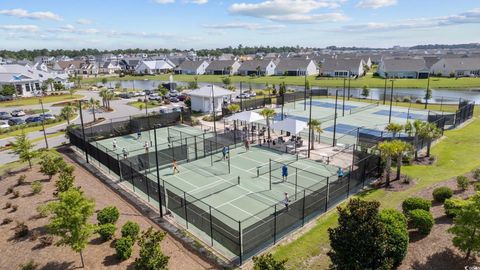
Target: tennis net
(266, 168)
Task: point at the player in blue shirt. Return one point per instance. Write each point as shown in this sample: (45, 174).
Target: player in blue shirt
(284, 172)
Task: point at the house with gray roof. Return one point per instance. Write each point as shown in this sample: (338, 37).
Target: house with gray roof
(411, 68)
(296, 67)
(223, 67)
(192, 67)
(257, 68)
(342, 68)
(456, 67)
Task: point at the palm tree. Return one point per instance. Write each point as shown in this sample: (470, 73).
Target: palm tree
(110, 95)
(315, 126)
(268, 113)
(67, 112)
(414, 128)
(103, 95)
(430, 132)
(50, 82)
(92, 103)
(394, 128)
(387, 151)
(233, 108)
(401, 149)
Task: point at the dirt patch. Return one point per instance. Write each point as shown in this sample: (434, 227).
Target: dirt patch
(436, 251)
(424, 160)
(98, 254)
(401, 184)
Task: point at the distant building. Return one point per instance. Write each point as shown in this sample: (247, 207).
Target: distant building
(456, 67)
(342, 68)
(153, 67)
(223, 67)
(110, 68)
(296, 67)
(413, 68)
(192, 67)
(204, 98)
(257, 68)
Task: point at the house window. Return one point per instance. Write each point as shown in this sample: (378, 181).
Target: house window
(37, 86)
(27, 87)
(18, 87)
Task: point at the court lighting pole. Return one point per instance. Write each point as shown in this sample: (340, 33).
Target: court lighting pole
(385, 89)
(343, 106)
(158, 172)
(309, 126)
(305, 94)
(83, 129)
(241, 99)
(214, 114)
(349, 79)
(391, 102)
(43, 124)
(335, 118)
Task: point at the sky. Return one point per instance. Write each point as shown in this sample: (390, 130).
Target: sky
(185, 24)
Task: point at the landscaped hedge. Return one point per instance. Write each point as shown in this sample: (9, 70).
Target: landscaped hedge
(421, 220)
(397, 231)
(453, 206)
(107, 231)
(108, 215)
(36, 124)
(130, 229)
(442, 193)
(415, 203)
(123, 247)
(462, 182)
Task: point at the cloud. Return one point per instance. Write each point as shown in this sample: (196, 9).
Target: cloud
(20, 27)
(376, 3)
(68, 28)
(164, 1)
(39, 15)
(198, 2)
(247, 26)
(296, 11)
(84, 21)
(468, 17)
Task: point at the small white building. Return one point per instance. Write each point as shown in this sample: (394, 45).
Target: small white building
(296, 67)
(203, 98)
(154, 67)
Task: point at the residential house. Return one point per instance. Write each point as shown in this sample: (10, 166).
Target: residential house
(456, 67)
(110, 68)
(413, 68)
(342, 68)
(204, 98)
(48, 60)
(296, 67)
(67, 67)
(154, 67)
(223, 67)
(257, 68)
(192, 67)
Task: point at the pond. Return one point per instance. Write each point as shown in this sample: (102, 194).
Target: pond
(438, 95)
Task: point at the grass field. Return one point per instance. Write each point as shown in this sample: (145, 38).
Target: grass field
(137, 104)
(35, 100)
(455, 157)
(33, 129)
(368, 80)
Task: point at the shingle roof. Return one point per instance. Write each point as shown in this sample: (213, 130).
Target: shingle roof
(462, 63)
(340, 64)
(253, 64)
(404, 64)
(206, 91)
(220, 64)
(293, 64)
(190, 65)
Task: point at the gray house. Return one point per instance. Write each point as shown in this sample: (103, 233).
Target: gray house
(456, 67)
(296, 67)
(192, 68)
(412, 68)
(223, 67)
(342, 67)
(257, 67)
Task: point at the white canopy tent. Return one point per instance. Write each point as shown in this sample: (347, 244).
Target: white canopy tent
(245, 116)
(290, 125)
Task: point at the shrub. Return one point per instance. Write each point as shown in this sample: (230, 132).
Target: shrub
(476, 173)
(21, 180)
(7, 220)
(106, 231)
(42, 210)
(46, 240)
(123, 247)
(476, 186)
(453, 206)
(130, 229)
(34, 236)
(14, 208)
(407, 99)
(397, 234)
(8, 205)
(21, 230)
(9, 190)
(16, 194)
(30, 265)
(415, 203)
(441, 194)
(108, 215)
(421, 220)
(462, 182)
(36, 187)
(267, 261)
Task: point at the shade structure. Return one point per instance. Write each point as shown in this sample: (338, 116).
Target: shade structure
(290, 125)
(246, 116)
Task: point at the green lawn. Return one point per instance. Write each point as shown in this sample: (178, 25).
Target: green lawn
(368, 80)
(35, 100)
(137, 104)
(32, 129)
(456, 155)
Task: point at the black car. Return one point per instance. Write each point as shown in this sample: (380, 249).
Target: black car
(16, 121)
(5, 116)
(34, 119)
(174, 99)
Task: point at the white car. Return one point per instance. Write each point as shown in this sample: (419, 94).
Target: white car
(164, 110)
(18, 113)
(4, 124)
(154, 97)
(252, 94)
(243, 96)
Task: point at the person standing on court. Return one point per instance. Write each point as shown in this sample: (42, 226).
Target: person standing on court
(225, 152)
(340, 173)
(125, 153)
(174, 165)
(286, 201)
(114, 143)
(139, 135)
(145, 145)
(247, 145)
(284, 172)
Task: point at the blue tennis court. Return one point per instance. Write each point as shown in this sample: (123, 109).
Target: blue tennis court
(331, 105)
(342, 128)
(404, 115)
(278, 117)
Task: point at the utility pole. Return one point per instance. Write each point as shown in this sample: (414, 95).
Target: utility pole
(83, 129)
(309, 126)
(343, 106)
(305, 94)
(427, 93)
(349, 79)
(385, 89)
(335, 119)
(214, 114)
(391, 102)
(43, 124)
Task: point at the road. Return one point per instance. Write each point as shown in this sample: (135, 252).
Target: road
(120, 109)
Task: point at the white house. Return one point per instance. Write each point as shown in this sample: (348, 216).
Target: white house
(412, 68)
(257, 67)
(223, 67)
(192, 67)
(109, 68)
(153, 67)
(296, 67)
(205, 97)
(342, 67)
(456, 67)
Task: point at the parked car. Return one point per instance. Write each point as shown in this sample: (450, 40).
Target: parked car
(243, 96)
(173, 93)
(5, 116)
(138, 94)
(182, 97)
(16, 121)
(34, 119)
(149, 92)
(163, 110)
(4, 124)
(47, 116)
(154, 97)
(6, 98)
(126, 95)
(17, 113)
(252, 93)
(177, 109)
(174, 99)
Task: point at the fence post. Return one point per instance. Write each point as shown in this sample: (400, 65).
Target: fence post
(275, 225)
(240, 242)
(119, 167)
(326, 196)
(211, 224)
(131, 174)
(211, 155)
(303, 209)
(195, 146)
(270, 172)
(348, 183)
(185, 208)
(296, 179)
